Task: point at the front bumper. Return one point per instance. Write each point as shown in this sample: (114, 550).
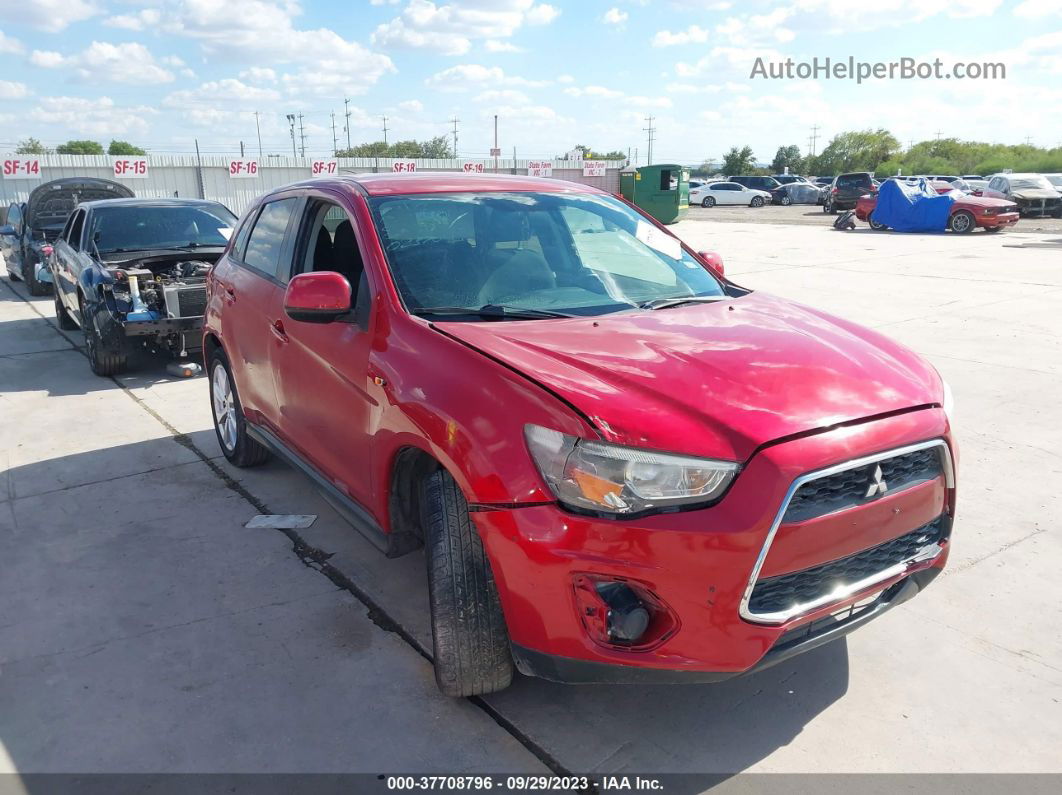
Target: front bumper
(1000, 220)
(699, 563)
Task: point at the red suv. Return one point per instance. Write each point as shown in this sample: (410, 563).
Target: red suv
(623, 466)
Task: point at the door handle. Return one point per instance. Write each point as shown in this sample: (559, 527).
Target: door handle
(230, 294)
(277, 328)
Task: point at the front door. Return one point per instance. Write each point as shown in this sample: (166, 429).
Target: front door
(10, 245)
(252, 294)
(324, 388)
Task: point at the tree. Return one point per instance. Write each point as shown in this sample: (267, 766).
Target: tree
(124, 148)
(79, 148)
(738, 161)
(439, 147)
(30, 146)
(786, 157)
(590, 154)
(856, 151)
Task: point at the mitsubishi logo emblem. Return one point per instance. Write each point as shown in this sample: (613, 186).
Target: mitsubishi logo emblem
(877, 485)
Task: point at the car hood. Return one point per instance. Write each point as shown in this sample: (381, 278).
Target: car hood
(715, 379)
(969, 200)
(1035, 193)
(49, 204)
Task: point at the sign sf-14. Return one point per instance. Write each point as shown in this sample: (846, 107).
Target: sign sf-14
(21, 167)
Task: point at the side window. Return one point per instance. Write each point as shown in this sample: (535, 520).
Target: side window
(266, 243)
(330, 243)
(65, 234)
(239, 247)
(14, 217)
(75, 230)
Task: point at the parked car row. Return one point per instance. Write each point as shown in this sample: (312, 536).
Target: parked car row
(595, 435)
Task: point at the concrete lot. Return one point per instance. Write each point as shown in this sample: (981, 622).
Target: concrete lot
(144, 629)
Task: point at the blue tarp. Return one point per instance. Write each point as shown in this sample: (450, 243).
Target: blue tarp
(912, 207)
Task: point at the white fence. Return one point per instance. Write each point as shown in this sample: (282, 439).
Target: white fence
(210, 178)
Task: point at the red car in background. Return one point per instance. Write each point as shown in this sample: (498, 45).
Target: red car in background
(623, 467)
(967, 213)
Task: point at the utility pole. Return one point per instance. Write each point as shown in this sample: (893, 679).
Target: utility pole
(241, 150)
(258, 127)
(454, 121)
(291, 126)
(346, 114)
(813, 139)
(335, 144)
(939, 133)
(651, 131)
(496, 149)
(636, 156)
(384, 129)
(302, 138)
(1028, 140)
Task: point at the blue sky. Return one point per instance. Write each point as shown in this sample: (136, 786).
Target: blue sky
(162, 73)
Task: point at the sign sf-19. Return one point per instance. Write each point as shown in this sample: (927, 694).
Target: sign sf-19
(473, 168)
(540, 168)
(21, 167)
(242, 169)
(131, 167)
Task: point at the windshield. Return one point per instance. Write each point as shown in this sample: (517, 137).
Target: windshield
(1030, 182)
(581, 254)
(1055, 179)
(140, 227)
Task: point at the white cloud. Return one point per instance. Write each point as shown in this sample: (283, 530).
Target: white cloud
(102, 61)
(141, 20)
(450, 29)
(470, 76)
(259, 74)
(412, 105)
(95, 117)
(10, 45)
(615, 17)
(565, 79)
(507, 96)
(493, 45)
(694, 34)
(49, 15)
(11, 90)
(1038, 9)
(593, 91)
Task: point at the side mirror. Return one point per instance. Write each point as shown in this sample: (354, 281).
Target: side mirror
(7, 229)
(317, 297)
(713, 261)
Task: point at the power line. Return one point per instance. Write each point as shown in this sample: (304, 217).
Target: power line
(813, 139)
(454, 121)
(302, 137)
(346, 113)
(384, 129)
(651, 131)
(291, 125)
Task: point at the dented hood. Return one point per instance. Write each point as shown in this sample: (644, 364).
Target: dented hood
(714, 379)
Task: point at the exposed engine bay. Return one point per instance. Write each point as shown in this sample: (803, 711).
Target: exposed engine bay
(154, 290)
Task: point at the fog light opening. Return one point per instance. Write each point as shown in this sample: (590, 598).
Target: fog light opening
(621, 614)
(627, 618)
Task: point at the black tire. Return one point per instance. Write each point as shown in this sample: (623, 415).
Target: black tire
(469, 636)
(104, 342)
(35, 287)
(709, 201)
(962, 222)
(874, 224)
(239, 448)
(828, 208)
(11, 275)
(66, 323)
(786, 200)
(757, 201)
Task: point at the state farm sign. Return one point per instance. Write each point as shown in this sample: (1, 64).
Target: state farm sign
(540, 168)
(21, 167)
(593, 168)
(241, 169)
(131, 167)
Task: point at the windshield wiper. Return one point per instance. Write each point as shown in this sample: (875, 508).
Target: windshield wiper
(667, 303)
(494, 311)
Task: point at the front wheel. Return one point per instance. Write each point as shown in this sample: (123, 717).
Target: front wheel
(962, 222)
(104, 342)
(33, 284)
(874, 224)
(785, 201)
(229, 423)
(469, 636)
(757, 201)
(709, 201)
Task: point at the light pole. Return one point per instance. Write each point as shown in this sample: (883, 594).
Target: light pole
(291, 125)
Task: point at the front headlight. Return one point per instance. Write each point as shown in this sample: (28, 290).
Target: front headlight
(610, 478)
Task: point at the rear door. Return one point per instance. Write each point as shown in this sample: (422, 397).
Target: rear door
(252, 296)
(323, 383)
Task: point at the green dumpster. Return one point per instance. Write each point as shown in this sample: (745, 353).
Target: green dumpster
(663, 191)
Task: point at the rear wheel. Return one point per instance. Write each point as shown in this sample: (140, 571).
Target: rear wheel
(785, 201)
(962, 222)
(469, 636)
(709, 201)
(104, 343)
(827, 207)
(874, 224)
(229, 423)
(65, 321)
(12, 275)
(757, 201)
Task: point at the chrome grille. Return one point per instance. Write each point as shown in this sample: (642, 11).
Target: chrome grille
(849, 488)
(777, 594)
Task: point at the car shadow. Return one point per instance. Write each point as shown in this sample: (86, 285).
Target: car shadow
(708, 731)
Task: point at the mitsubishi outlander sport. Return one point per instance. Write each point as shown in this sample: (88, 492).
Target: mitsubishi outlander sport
(623, 466)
